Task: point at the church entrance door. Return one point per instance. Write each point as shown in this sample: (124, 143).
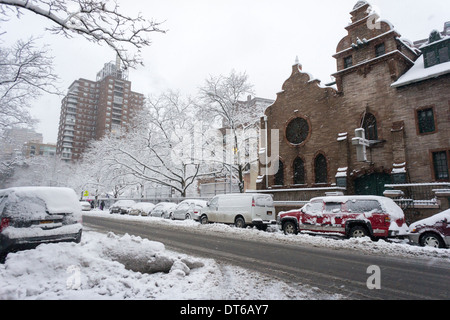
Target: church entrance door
(372, 184)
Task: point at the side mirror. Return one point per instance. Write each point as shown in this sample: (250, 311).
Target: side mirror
(207, 204)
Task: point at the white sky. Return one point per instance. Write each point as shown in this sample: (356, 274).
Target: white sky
(212, 37)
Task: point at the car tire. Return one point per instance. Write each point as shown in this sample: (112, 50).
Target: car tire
(289, 227)
(431, 239)
(239, 222)
(188, 216)
(358, 232)
(204, 219)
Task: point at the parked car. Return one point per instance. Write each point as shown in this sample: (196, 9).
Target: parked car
(352, 216)
(34, 215)
(187, 209)
(122, 206)
(163, 210)
(141, 208)
(85, 206)
(241, 209)
(432, 232)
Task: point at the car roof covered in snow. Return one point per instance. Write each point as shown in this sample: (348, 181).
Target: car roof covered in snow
(388, 204)
(57, 200)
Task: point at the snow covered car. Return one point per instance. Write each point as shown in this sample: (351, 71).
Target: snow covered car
(34, 215)
(432, 232)
(122, 206)
(187, 209)
(85, 206)
(163, 210)
(141, 208)
(352, 216)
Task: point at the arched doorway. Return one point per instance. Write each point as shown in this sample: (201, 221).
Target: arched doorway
(372, 184)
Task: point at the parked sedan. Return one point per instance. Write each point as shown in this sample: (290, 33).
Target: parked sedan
(432, 232)
(34, 215)
(141, 208)
(85, 206)
(187, 209)
(163, 210)
(122, 206)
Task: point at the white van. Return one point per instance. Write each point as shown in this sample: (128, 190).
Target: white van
(240, 209)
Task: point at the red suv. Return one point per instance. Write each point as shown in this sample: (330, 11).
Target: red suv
(352, 216)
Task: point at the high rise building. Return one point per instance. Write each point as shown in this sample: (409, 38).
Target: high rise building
(93, 108)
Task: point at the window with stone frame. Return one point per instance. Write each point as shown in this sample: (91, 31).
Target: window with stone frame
(426, 120)
(299, 171)
(348, 62)
(370, 126)
(321, 169)
(380, 50)
(279, 176)
(440, 166)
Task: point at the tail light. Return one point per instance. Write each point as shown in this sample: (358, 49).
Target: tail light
(387, 219)
(253, 203)
(4, 224)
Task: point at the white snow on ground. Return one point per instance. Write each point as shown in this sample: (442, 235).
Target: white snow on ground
(128, 267)
(108, 266)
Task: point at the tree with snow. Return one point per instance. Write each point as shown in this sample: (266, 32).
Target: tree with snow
(223, 99)
(158, 146)
(101, 22)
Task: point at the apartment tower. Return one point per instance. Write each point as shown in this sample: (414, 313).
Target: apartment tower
(93, 108)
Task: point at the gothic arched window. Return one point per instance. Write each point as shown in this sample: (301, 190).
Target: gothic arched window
(299, 171)
(320, 169)
(370, 126)
(279, 176)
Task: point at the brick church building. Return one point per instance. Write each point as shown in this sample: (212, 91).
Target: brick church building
(386, 119)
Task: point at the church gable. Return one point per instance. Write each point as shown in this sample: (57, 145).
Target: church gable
(372, 43)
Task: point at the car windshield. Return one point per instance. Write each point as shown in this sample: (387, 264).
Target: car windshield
(314, 208)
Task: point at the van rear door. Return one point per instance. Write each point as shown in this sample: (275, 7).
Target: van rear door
(263, 207)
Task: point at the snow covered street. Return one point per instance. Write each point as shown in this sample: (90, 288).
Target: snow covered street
(108, 266)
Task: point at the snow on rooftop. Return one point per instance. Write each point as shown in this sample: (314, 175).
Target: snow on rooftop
(419, 73)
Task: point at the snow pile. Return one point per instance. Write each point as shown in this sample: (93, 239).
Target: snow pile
(129, 267)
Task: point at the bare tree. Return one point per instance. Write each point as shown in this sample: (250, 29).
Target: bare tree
(25, 73)
(222, 98)
(97, 21)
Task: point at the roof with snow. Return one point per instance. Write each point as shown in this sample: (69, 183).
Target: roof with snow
(419, 73)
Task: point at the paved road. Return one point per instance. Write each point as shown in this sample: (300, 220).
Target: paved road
(333, 271)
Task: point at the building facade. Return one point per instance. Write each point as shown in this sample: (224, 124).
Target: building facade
(386, 119)
(32, 149)
(93, 108)
(14, 139)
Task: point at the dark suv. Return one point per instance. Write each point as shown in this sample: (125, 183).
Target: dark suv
(352, 216)
(34, 215)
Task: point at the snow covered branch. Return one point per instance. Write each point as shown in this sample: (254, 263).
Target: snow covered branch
(97, 21)
(25, 73)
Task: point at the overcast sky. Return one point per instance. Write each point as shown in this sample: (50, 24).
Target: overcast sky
(212, 37)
